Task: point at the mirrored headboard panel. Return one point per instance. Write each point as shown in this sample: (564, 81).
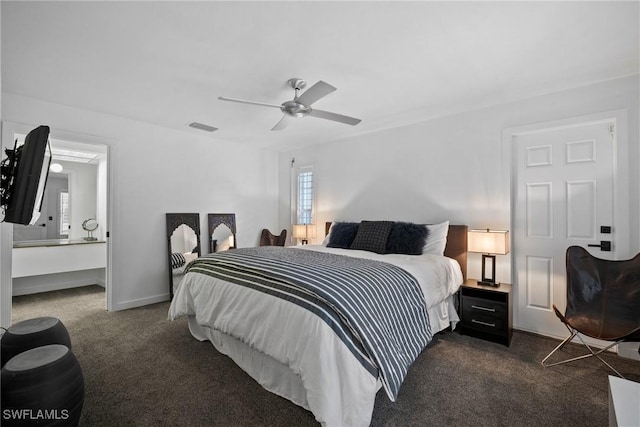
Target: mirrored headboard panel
(183, 244)
(222, 231)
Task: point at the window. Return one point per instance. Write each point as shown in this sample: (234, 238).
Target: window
(304, 214)
(64, 213)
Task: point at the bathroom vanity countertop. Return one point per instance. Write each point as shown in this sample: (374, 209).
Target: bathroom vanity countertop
(53, 242)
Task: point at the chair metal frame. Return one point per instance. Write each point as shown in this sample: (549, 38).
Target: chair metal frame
(575, 333)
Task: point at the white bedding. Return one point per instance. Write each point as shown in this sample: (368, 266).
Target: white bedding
(292, 352)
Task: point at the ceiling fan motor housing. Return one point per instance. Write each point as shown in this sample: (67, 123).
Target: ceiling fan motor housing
(295, 109)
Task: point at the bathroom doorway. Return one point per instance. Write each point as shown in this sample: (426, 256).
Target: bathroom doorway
(68, 246)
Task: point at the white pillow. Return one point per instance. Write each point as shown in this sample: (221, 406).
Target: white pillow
(437, 238)
(190, 256)
(325, 242)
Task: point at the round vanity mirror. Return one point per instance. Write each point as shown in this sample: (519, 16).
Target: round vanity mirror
(90, 225)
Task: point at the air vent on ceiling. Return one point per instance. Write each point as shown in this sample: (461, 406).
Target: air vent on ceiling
(204, 127)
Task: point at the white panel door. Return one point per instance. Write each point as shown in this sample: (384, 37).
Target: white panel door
(563, 195)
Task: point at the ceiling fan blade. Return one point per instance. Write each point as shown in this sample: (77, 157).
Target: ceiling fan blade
(283, 123)
(315, 92)
(242, 101)
(335, 117)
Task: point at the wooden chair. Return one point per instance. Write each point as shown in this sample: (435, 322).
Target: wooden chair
(269, 239)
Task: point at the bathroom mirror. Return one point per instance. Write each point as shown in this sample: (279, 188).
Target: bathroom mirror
(222, 232)
(183, 243)
(53, 222)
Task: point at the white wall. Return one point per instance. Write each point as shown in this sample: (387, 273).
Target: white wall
(155, 170)
(450, 167)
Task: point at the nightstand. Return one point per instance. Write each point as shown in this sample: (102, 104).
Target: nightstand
(486, 312)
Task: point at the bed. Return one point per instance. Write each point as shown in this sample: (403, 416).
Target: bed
(273, 311)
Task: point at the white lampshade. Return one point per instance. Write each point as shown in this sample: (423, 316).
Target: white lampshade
(304, 231)
(488, 241)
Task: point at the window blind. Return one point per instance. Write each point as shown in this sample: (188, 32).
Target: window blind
(305, 196)
(64, 213)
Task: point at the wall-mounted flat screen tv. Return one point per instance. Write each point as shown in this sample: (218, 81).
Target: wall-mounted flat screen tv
(24, 177)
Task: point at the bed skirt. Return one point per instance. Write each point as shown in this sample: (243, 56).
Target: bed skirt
(278, 378)
(267, 371)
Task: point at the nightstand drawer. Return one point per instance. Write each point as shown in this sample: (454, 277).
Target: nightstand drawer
(486, 323)
(472, 307)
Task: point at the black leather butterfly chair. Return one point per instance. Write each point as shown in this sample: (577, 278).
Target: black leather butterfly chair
(603, 302)
(269, 239)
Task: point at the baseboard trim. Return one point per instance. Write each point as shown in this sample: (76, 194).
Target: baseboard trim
(28, 290)
(629, 350)
(140, 302)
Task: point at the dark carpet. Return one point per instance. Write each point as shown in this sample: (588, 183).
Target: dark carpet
(142, 370)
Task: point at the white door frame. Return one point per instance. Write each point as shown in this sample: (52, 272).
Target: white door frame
(620, 179)
(6, 229)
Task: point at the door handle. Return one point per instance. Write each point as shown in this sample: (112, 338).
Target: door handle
(605, 246)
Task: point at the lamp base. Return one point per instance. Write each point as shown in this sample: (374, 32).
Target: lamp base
(486, 283)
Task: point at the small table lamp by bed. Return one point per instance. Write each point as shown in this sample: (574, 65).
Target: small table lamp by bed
(489, 243)
(304, 232)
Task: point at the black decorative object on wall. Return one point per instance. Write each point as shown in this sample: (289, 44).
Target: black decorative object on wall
(23, 177)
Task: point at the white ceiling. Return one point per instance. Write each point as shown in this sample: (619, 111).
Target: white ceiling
(393, 63)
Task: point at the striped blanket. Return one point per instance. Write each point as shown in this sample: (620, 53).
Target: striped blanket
(377, 309)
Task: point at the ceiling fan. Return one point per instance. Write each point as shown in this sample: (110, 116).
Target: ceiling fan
(300, 106)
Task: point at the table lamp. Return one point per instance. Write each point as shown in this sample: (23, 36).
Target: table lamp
(489, 243)
(304, 232)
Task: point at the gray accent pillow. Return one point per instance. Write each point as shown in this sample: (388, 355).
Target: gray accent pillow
(372, 236)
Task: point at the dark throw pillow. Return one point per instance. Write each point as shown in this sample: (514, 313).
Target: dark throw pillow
(372, 236)
(342, 234)
(407, 238)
